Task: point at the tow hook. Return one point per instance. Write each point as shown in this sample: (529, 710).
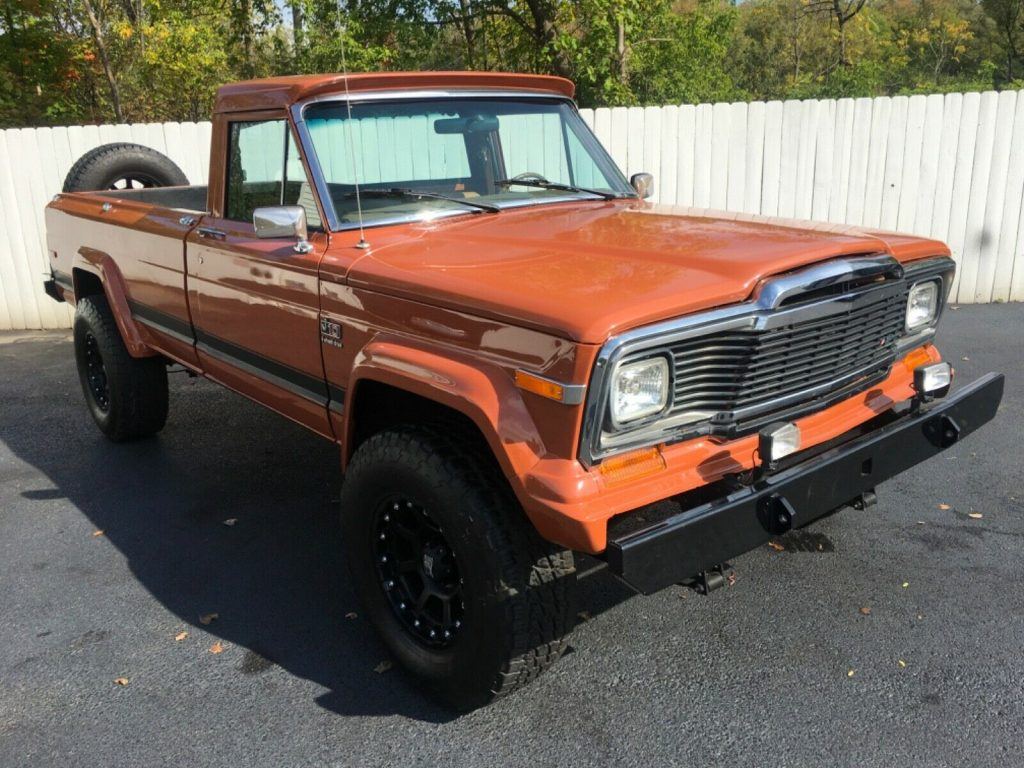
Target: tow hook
(706, 582)
(777, 514)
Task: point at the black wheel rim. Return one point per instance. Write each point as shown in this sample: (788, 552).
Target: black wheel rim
(417, 570)
(134, 181)
(96, 374)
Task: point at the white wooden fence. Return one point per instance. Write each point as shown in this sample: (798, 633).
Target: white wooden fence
(947, 166)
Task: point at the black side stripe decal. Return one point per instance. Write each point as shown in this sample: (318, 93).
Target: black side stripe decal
(337, 395)
(296, 381)
(162, 321)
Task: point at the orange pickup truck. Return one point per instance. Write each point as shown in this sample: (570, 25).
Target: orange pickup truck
(520, 357)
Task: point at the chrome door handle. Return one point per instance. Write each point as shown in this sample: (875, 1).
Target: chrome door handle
(211, 234)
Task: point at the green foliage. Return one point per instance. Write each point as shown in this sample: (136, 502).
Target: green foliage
(72, 61)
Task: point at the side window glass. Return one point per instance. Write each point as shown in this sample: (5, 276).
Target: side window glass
(297, 189)
(255, 167)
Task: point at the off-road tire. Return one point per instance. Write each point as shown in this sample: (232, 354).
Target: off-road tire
(101, 167)
(518, 590)
(136, 388)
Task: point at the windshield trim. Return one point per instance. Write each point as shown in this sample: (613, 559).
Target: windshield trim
(298, 111)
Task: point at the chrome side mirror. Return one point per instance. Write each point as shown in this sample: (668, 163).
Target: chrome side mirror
(283, 221)
(643, 183)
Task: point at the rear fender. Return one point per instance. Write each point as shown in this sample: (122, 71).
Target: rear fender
(103, 266)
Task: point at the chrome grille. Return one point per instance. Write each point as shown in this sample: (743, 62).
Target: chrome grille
(806, 339)
(732, 374)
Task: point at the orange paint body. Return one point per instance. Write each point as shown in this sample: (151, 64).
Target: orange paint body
(450, 310)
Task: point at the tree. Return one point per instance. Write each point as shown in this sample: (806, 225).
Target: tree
(1008, 16)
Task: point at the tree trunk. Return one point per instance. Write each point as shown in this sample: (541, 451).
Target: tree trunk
(468, 32)
(623, 52)
(101, 48)
(298, 33)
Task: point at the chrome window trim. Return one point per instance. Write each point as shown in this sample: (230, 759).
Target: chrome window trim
(297, 112)
(761, 313)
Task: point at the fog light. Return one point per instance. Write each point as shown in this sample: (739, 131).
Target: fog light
(776, 441)
(933, 380)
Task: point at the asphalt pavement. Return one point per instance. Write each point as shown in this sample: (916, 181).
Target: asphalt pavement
(182, 601)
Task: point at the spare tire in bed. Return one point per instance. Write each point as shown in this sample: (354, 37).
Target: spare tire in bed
(123, 166)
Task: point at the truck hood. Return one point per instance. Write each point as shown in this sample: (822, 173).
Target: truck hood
(586, 271)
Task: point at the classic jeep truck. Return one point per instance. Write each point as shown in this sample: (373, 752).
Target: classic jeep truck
(519, 356)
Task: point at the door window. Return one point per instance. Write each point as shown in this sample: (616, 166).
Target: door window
(264, 169)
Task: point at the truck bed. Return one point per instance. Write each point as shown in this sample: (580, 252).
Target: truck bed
(191, 199)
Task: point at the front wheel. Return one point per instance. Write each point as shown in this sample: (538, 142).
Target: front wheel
(457, 582)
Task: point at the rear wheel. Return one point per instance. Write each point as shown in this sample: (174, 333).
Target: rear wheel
(127, 396)
(461, 588)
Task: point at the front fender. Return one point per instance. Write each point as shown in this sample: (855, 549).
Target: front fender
(484, 393)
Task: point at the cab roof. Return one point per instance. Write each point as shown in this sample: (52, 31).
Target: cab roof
(282, 92)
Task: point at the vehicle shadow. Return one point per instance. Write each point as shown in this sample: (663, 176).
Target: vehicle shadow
(230, 510)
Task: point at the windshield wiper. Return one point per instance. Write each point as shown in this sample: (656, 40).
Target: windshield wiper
(402, 192)
(555, 185)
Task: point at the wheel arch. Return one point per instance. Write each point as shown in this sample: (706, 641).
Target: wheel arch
(392, 383)
(96, 273)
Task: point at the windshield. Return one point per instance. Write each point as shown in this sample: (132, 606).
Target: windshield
(457, 152)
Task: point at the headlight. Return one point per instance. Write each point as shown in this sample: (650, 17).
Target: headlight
(922, 304)
(639, 389)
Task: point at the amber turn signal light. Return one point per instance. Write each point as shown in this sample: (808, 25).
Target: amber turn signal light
(540, 386)
(632, 465)
(570, 394)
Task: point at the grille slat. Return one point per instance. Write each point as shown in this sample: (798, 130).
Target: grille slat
(733, 370)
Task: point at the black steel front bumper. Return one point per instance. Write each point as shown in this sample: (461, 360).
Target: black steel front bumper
(695, 540)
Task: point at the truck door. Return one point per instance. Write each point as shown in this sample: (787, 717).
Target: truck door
(255, 303)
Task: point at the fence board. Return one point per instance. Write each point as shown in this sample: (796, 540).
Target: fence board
(944, 166)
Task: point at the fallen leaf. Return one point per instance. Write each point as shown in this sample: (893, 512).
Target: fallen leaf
(866, 610)
(351, 615)
(906, 584)
(97, 533)
(975, 515)
(217, 648)
(383, 667)
(850, 673)
(206, 618)
(944, 506)
(731, 578)
(120, 681)
(180, 636)
(902, 663)
(776, 546)
(231, 521)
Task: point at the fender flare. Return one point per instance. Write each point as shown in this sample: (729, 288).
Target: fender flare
(482, 392)
(105, 268)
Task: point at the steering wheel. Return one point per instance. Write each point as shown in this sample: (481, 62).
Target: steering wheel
(529, 176)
